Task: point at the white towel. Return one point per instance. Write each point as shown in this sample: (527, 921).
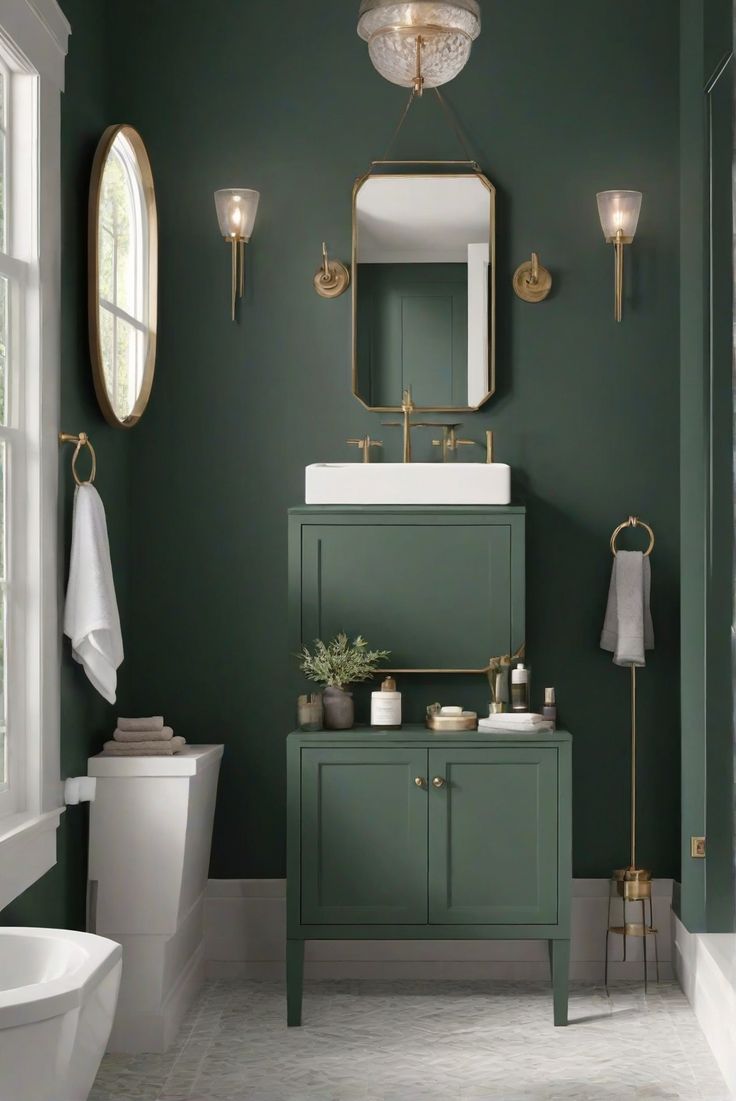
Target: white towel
(516, 718)
(510, 724)
(627, 628)
(91, 618)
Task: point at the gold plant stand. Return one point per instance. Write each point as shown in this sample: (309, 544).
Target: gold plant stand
(632, 885)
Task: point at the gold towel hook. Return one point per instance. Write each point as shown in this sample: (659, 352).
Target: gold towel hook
(532, 281)
(633, 522)
(82, 440)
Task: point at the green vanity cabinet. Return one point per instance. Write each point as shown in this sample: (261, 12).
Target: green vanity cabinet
(442, 588)
(416, 835)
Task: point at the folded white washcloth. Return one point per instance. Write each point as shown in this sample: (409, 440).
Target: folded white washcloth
(501, 724)
(165, 734)
(154, 722)
(144, 749)
(627, 628)
(522, 718)
(91, 618)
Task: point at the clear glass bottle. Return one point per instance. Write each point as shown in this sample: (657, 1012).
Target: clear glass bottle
(520, 688)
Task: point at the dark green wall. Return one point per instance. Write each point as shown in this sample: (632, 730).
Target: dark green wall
(59, 897)
(586, 410)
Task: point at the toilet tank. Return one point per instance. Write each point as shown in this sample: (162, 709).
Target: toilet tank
(149, 839)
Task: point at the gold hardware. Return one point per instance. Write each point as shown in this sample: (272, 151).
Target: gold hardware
(472, 168)
(407, 408)
(439, 782)
(332, 279)
(449, 441)
(633, 522)
(633, 884)
(365, 443)
(490, 446)
(419, 781)
(467, 721)
(532, 281)
(697, 848)
(237, 270)
(82, 440)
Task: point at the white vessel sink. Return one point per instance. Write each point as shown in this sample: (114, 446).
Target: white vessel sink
(408, 484)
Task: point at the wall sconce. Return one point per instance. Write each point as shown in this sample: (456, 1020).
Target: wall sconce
(236, 212)
(332, 279)
(619, 215)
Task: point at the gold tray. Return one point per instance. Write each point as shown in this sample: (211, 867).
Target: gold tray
(467, 721)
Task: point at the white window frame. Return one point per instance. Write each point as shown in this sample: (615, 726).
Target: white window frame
(33, 45)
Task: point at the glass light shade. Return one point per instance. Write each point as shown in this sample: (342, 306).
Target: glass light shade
(236, 212)
(619, 210)
(391, 30)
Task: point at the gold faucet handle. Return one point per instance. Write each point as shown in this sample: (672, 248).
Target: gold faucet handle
(365, 443)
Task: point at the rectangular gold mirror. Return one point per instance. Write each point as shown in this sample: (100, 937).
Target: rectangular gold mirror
(424, 290)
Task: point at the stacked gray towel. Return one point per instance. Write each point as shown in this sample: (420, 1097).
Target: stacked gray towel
(145, 737)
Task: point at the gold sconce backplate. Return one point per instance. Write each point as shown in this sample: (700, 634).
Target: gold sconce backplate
(333, 278)
(532, 282)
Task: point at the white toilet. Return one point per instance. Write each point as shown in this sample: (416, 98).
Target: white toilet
(149, 849)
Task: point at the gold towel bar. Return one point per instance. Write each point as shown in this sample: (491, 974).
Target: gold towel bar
(82, 440)
(632, 522)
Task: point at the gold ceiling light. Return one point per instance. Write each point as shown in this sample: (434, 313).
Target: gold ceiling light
(422, 44)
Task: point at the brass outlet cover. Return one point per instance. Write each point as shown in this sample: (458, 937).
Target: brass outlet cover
(697, 847)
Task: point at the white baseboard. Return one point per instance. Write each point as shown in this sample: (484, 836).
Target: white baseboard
(245, 931)
(705, 964)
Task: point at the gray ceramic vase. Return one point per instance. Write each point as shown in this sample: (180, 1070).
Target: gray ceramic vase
(339, 709)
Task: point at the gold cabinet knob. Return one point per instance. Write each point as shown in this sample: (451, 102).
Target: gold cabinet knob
(439, 782)
(419, 781)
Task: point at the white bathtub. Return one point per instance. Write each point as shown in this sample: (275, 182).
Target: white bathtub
(58, 992)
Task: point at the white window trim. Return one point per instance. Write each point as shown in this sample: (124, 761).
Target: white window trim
(39, 32)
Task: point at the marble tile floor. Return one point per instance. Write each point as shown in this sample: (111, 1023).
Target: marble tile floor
(425, 1041)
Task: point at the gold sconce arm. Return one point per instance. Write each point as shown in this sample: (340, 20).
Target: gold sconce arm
(332, 278)
(532, 281)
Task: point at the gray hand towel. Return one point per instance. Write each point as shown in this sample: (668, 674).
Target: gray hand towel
(162, 735)
(627, 628)
(155, 722)
(144, 749)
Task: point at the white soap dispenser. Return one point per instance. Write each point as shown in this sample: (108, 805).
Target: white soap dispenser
(386, 707)
(520, 688)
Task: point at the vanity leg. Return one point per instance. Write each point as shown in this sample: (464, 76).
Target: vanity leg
(560, 979)
(294, 981)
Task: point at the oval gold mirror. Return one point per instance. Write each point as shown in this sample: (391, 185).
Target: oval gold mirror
(123, 275)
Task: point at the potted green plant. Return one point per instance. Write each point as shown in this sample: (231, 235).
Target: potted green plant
(334, 665)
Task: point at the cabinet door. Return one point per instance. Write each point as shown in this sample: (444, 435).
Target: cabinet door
(364, 836)
(437, 595)
(493, 836)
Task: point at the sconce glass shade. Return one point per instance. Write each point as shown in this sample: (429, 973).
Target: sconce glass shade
(236, 212)
(391, 30)
(619, 210)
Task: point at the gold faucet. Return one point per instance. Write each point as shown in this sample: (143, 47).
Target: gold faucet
(449, 442)
(407, 408)
(365, 443)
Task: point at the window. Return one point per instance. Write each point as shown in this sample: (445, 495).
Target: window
(18, 276)
(33, 36)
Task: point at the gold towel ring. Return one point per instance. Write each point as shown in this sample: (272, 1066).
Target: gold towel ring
(82, 440)
(633, 522)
